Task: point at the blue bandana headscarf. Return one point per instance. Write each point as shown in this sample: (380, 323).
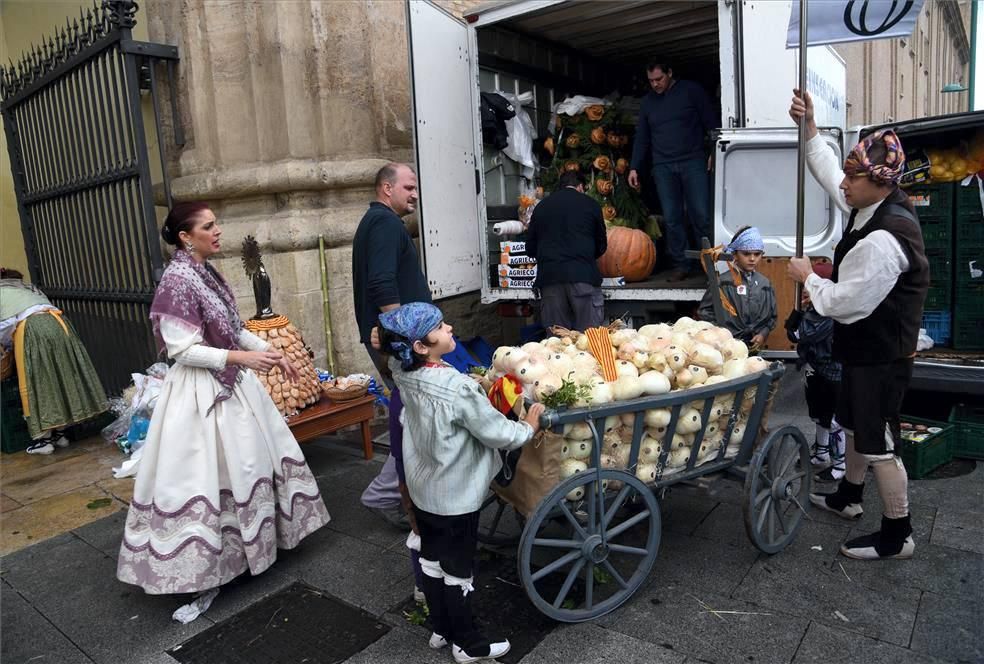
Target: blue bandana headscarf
(414, 321)
(748, 240)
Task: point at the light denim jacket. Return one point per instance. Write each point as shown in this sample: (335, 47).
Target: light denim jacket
(451, 432)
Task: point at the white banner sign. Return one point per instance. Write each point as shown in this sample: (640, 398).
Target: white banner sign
(838, 21)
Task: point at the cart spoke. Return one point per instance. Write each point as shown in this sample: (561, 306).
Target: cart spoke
(765, 479)
(616, 505)
(568, 582)
(761, 517)
(625, 525)
(556, 565)
(782, 524)
(557, 543)
(790, 460)
(772, 522)
(621, 548)
(614, 572)
(589, 585)
(592, 506)
(570, 517)
(494, 528)
(763, 494)
(798, 476)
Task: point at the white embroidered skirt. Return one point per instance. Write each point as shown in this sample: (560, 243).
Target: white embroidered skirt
(215, 494)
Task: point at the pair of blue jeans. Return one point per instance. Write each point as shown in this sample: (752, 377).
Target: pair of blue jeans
(684, 194)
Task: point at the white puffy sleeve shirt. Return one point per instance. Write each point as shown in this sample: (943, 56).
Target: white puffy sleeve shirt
(186, 346)
(870, 270)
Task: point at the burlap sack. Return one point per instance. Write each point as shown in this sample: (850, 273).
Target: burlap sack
(537, 473)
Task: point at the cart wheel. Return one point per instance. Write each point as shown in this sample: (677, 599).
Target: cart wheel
(500, 524)
(579, 560)
(777, 489)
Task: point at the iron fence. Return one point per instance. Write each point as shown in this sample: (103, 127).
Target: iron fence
(72, 114)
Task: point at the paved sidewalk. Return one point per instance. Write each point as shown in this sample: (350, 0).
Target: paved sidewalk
(61, 602)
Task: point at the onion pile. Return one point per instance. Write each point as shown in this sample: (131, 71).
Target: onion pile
(656, 359)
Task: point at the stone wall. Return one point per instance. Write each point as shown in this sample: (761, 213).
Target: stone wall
(289, 109)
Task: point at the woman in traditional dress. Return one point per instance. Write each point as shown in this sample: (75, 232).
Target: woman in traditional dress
(222, 483)
(58, 385)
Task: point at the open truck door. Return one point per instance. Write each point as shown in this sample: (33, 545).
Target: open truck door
(443, 88)
(755, 185)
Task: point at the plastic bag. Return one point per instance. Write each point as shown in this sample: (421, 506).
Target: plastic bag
(521, 132)
(924, 341)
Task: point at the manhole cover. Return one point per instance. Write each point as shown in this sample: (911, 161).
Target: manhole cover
(501, 608)
(297, 624)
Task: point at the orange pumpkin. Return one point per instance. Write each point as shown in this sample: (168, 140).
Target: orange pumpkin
(598, 136)
(594, 112)
(631, 254)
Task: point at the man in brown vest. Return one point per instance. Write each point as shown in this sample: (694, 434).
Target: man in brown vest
(875, 297)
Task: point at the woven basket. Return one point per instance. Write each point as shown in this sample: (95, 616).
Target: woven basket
(347, 394)
(6, 364)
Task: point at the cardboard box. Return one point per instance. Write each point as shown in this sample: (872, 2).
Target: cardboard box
(506, 282)
(512, 247)
(516, 259)
(517, 272)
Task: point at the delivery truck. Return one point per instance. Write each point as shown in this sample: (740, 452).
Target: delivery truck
(549, 49)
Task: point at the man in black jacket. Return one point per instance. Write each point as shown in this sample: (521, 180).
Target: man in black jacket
(566, 237)
(385, 274)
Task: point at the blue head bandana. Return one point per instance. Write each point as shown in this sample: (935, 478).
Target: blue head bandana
(748, 240)
(414, 321)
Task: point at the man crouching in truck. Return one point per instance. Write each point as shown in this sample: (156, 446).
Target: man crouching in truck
(875, 297)
(566, 237)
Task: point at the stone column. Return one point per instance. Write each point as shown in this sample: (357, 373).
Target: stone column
(289, 109)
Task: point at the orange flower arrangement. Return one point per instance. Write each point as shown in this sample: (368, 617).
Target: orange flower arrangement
(572, 141)
(609, 212)
(602, 163)
(604, 187)
(525, 201)
(598, 136)
(594, 112)
(572, 166)
(548, 145)
(614, 140)
(621, 166)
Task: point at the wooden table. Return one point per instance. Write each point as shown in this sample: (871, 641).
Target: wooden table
(329, 416)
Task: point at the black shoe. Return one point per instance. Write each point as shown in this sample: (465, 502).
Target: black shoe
(845, 502)
(894, 540)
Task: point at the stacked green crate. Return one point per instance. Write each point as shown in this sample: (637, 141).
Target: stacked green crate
(13, 428)
(934, 206)
(968, 301)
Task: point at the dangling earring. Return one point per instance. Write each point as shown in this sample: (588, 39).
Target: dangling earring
(189, 247)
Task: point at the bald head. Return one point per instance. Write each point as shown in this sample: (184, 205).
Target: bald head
(396, 187)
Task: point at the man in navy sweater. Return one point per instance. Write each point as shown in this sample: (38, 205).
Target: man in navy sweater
(673, 121)
(385, 274)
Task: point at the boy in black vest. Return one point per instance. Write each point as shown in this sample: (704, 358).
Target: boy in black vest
(875, 297)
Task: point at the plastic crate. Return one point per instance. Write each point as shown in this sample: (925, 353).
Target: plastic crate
(940, 295)
(968, 202)
(922, 458)
(938, 326)
(968, 299)
(932, 201)
(968, 436)
(968, 265)
(970, 231)
(968, 331)
(937, 235)
(13, 429)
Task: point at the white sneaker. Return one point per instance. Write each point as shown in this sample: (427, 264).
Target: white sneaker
(437, 641)
(60, 441)
(40, 447)
(497, 649)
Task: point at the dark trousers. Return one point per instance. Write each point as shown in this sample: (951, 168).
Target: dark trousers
(678, 184)
(821, 398)
(451, 541)
(574, 306)
(871, 400)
